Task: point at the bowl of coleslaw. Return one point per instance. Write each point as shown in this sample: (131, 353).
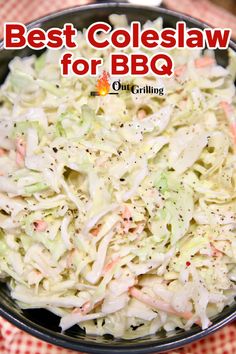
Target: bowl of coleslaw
(117, 212)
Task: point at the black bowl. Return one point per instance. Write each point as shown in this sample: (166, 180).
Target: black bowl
(42, 323)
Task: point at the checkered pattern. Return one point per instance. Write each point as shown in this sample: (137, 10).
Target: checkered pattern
(15, 341)
(27, 10)
(205, 11)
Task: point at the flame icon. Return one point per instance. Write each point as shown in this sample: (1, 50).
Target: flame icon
(103, 84)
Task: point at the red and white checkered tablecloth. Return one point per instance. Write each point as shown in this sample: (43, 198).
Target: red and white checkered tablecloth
(15, 341)
(12, 339)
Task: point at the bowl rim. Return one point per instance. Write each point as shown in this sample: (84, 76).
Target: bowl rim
(59, 339)
(158, 346)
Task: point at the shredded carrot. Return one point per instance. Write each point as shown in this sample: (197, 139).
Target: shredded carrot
(227, 108)
(199, 63)
(20, 151)
(21, 146)
(233, 131)
(40, 225)
(182, 104)
(2, 152)
(69, 261)
(158, 304)
(229, 112)
(126, 216)
(204, 62)
(95, 230)
(179, 71)
(86, 307)
(19, 159)
(110, 265)
(215, 252)
(141, 114)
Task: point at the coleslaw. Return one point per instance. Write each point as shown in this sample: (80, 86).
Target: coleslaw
(118, 213)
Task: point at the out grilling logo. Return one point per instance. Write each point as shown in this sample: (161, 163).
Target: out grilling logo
(104, 86)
